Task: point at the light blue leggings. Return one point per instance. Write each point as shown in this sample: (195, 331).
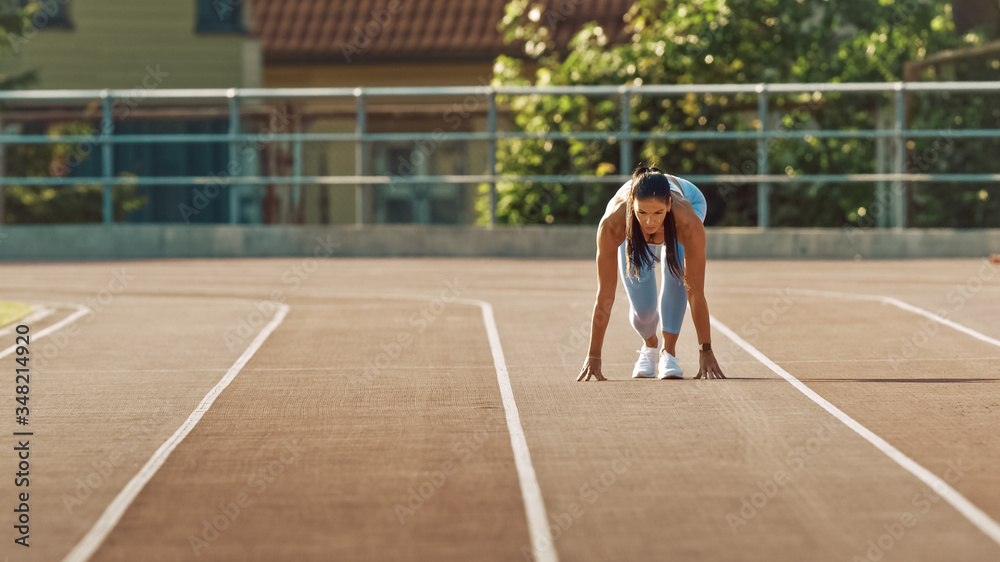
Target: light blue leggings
(642, 292)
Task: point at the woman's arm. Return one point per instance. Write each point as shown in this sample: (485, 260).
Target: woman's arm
(694, 277)
(607, 284)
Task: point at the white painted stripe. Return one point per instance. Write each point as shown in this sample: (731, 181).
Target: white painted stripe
(93, 539)
(954, 325)
(877, 298)
(975, 515)
(538, 523)
(539, 532)
(80, 311)
(38, 313)
(904, 306)
(531, 492)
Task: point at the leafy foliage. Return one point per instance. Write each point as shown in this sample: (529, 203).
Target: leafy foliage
(14, 22)
(743, 41)
(48, 204)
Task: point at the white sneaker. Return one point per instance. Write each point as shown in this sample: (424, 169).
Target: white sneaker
(645, 367)
(668, 367)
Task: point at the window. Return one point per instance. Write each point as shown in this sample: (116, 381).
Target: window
(48, 14)
(220, 16)
(415, 202)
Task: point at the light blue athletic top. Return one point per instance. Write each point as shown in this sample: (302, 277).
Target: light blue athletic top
(678, 187)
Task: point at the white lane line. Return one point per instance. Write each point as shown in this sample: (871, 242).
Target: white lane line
(539, 532)
(975, 515)
(531, 492)
(38, 313)
(80, 311)
(538, 524)
(93, 539)
(904, 306)
(877, 298)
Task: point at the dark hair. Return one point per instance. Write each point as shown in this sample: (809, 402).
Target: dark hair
(649, 183)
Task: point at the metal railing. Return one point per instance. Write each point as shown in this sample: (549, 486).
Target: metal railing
(361, 137)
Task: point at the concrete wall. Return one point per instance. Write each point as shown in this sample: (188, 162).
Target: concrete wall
(145, 241)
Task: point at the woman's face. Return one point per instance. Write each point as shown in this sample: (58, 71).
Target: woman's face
(650, 213)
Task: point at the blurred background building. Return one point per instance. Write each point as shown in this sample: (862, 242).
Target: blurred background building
(137, 45)
(335, 44)
(143, 45)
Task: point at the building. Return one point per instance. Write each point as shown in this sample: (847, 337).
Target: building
(385, 43)
(139, 45)
(88, 44)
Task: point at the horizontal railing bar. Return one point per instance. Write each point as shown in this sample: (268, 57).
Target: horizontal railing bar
(705, 179)
(484, 90)
(444, 137)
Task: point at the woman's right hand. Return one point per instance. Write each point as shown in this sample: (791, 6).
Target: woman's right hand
(591, 368)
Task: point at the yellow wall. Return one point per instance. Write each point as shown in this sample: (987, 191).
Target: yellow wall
(329, 159)
(111, 42)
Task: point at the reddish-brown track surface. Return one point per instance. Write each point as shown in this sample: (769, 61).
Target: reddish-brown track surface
(370, 425)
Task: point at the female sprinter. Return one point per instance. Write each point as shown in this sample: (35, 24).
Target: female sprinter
(651, 210)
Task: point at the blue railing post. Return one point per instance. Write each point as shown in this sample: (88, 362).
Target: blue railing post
(491, 120)
(359, 157)
(763, 189)
(880, 206)
(234, 130)
(898, 187)
(297, 174)
(107, 165)
(3, 170)
(625, 140)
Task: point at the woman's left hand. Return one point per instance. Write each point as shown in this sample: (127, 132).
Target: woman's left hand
(708, 367)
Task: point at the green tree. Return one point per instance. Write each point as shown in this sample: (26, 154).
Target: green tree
(720, 41)
(14, 21)
(48, 204)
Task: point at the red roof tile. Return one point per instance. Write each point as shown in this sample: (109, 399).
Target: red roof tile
(342, 31)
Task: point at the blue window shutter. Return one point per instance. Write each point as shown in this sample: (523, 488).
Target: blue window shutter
(220, 16)
(50, 14)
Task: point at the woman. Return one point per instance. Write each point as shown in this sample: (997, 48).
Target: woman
(651, 210)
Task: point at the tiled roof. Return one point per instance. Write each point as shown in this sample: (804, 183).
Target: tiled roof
(348, 31)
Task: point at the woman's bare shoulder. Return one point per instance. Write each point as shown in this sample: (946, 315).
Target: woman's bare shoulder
(613, 222)
(617, 203)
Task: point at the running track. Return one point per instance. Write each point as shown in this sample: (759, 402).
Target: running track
(416, 409)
